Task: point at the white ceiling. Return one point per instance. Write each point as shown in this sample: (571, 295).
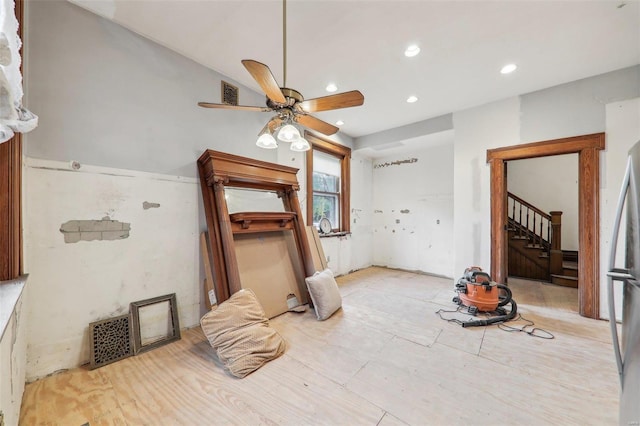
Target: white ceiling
(359, 44)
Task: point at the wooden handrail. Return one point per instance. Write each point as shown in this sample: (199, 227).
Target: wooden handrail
(531, 206)
(531, 222)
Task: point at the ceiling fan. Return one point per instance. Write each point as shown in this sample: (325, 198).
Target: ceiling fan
(289, 105)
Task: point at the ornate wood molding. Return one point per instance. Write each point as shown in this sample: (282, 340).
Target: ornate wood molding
(219, 170)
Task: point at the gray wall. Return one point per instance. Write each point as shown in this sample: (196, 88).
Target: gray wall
(576, 108)
(108, 97)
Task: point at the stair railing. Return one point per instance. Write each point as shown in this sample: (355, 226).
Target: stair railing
(539, 228)
(533, 223)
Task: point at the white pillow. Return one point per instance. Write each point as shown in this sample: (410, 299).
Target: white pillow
(324, 293)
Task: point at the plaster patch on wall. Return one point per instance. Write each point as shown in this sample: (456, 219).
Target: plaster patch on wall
(90, 230)
(147, 205)
(395, 163)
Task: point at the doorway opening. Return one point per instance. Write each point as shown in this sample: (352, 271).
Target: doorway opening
(542, 215)
(587, 147)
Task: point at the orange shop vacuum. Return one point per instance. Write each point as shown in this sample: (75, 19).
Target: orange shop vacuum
(478, 293)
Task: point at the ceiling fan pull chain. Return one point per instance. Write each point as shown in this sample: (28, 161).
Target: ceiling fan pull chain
(284, 42)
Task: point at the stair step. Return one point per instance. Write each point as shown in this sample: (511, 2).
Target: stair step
(518, 237)
(564, 280)
(570, 255)
(564, 277)
(534, 246)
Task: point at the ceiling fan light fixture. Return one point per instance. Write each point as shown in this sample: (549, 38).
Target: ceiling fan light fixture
(300, 145)
(288, 133)
(267, 141)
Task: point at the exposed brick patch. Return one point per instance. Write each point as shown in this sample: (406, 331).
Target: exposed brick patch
(147, 205)
(92, 230)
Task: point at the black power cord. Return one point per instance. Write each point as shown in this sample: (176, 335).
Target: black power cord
(534, 331)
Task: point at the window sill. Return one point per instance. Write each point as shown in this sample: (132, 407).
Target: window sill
(10, 292)
(334, 234)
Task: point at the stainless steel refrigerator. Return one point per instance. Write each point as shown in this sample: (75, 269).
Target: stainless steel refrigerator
(627, 351)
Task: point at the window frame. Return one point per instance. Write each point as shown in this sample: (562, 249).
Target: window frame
(343, 153)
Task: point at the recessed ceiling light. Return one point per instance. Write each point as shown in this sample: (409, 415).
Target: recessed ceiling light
(411, 51)
(508, 69)
(339, 123)
(411, 99)
(331, 87)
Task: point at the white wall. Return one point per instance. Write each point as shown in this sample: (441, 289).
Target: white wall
(352, 252)
(623, 131)
(476, 130)
(413, 210)
(549, 183)
(73, 284)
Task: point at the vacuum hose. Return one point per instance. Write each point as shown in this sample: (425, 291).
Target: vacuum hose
(501, 318)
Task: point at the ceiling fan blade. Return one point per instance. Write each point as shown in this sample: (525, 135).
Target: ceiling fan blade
(263, 76)
(340, 100)
(236, 107)
(316, 124)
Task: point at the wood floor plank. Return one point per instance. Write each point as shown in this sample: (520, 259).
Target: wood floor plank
(385, 359)
(389, 420)
(73, 397)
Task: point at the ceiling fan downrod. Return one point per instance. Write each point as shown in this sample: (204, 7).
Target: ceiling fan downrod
(284, 43)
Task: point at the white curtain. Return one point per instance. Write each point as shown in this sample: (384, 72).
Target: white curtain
(13, 116)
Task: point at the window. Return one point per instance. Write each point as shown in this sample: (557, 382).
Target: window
(328, 183)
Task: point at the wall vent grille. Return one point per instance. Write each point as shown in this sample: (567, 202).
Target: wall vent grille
(229, 94)
(110, 341)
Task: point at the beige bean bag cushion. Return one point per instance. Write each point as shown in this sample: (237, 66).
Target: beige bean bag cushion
(239, 332)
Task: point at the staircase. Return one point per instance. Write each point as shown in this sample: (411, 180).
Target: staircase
(569, 275)
(535, 245)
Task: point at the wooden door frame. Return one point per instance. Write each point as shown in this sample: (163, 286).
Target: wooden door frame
(11, 257)
(587, 147)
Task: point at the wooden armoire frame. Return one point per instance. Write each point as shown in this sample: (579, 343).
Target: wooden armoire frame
(219, 170)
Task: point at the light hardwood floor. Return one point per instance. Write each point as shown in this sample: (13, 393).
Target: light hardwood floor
(385, 359)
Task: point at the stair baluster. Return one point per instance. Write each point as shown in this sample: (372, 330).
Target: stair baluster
(528, 224)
